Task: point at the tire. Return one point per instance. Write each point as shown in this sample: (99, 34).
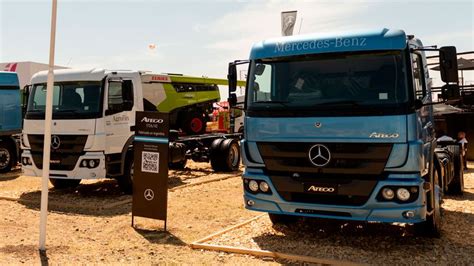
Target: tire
(7, 156)
(194, 123)
(456, 187)
(215, 155)
(178, 166)
(225, 155)
(125, 181)
(431, 227)
(282, 219)
(64, 183)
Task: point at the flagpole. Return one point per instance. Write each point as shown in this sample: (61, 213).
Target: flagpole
(47, 132)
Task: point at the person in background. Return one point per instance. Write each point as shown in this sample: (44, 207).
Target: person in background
(463, 141)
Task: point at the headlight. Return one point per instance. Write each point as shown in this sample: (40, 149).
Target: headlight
(388, 193)
(84, 163)
(253, 185)
(403, 194)
(264, 186)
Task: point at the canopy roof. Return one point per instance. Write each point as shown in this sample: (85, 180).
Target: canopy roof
(463, 64)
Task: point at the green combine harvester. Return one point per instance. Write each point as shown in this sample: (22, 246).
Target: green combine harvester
(187, 99)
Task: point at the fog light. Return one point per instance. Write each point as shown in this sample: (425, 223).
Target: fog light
(253, 185)
(250, 202)
(409, 214)
(388, 193)
(403, 194)
(264, 186)
(84, 163)
(91, 163)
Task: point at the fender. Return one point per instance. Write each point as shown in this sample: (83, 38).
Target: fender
(128, 147)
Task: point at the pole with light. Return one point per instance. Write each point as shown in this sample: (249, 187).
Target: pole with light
(47, 131)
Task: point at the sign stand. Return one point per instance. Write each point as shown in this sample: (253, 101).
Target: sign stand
(150, 176)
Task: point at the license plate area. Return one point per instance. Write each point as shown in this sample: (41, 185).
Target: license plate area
(323, 189)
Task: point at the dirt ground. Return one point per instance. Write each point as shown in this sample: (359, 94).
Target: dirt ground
(84, 226)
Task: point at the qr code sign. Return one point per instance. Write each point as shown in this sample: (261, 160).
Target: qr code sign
(150, 162)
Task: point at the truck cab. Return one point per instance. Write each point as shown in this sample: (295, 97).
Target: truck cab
(93, 121)
(10, 120)
(341, 126)
(93, 112)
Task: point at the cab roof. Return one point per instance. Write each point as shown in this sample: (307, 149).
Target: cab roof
(371, 40)
(8, 79)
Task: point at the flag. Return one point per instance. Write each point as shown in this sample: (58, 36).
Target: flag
(288, 20)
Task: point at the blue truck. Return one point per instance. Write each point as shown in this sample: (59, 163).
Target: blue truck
(341, 126)
(10, 120)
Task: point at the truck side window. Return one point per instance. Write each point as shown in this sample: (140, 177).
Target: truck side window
(120, 96)
(263, 83)
(418, 77)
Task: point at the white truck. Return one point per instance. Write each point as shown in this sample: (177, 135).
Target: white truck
(94, 121)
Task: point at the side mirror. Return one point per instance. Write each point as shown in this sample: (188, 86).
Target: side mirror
(232, 78)
(25, 96)
(450, 92)
(448, 64)
(259, 69)
(232, 99)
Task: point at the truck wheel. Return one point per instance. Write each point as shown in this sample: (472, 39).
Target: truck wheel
(282, 218)
(178, 166)
(125, 181)
(432, 226)
(64, 183)
(7, 157)
(194, 123)
(456, 187)
(225, 155)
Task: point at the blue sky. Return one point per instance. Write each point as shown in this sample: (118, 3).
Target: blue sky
(201, 37)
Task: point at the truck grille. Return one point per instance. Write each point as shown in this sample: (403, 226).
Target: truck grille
(355, 159)
(65, 157)
(354, 167)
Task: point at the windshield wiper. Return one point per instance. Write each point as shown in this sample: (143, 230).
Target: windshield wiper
(283, 103)
(65, 111)
(341, 102)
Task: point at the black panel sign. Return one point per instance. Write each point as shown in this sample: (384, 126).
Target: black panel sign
(150, 179)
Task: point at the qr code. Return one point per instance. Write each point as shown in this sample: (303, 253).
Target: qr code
(150, 162)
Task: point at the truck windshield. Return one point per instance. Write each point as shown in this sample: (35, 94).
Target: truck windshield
(71, 100)
(337, 82)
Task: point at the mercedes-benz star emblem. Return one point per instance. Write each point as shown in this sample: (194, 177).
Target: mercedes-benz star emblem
(55, 142)
(149, 194)
(318, 124)
(319, 155)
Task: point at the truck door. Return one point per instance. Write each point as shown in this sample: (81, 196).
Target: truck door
(424, 114)
(119, 114)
